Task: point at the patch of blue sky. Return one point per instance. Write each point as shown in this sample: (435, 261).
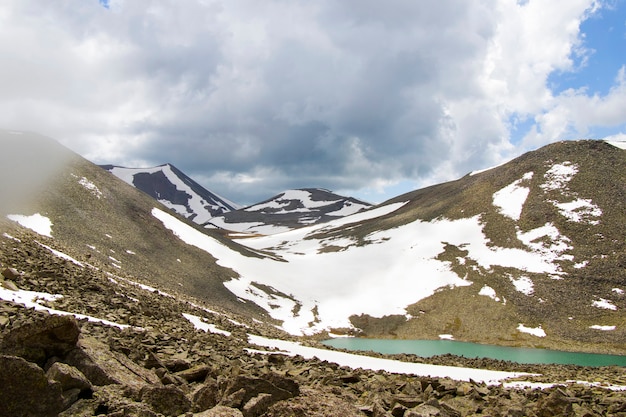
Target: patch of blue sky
(601, 132)
(104, 3)
(519, 127)
(604, 43)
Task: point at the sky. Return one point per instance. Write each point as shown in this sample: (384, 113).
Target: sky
(366, 98)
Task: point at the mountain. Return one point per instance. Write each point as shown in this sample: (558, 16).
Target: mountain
(289, 210)
(175, 190)
(528, 253)
(285, 211)
(110, 304)
(101, 220)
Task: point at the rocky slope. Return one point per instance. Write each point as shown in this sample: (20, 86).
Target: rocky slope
(530, 253)
(136, 351)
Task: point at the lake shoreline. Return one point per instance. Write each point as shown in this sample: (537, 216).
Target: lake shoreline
(428, 350)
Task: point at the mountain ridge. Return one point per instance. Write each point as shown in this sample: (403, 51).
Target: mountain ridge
(390, 271)
(285, 211)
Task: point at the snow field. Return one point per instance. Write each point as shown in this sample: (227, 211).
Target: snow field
(324, 289)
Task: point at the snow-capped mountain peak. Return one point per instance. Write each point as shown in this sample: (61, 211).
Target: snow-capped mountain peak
(289, 210)
(176, 191)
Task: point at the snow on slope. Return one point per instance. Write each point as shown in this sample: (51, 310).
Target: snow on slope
(316, 290)
(36, 222)
(510, 200)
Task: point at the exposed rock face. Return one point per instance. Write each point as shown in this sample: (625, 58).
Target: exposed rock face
(43, 338)
(26, 391)
(169, 400)
(103, 367)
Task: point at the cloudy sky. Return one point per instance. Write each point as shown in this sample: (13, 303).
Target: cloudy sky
(368, 98)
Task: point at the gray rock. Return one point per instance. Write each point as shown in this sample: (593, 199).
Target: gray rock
(43, 338)
(195, 373)
(26, 391)
(9, 285)
(257, 405)
(206, 396)
(103, 367)
(10, 273)
(280, 388)
(68, 376)
(423, 410)
(168, 400)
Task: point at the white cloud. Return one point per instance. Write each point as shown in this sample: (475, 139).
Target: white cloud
(336, 94)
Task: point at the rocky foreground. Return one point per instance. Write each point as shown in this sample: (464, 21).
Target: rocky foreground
(145, 358)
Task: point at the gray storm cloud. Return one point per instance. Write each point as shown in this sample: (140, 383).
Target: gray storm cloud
(254, 97)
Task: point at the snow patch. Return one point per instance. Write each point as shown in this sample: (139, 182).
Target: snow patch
(535, 331)
(558, 176)
(60, 254)
(489, 292)
(31, 299)
(580, 211)
(523, 284)
(510, 200)
(580, 265)
(37, 223)
(374, 279)
(200, 324)
(547, 241)
(355, 361)
(605, 304)
(90, 186)
(446, 337)
(603, 328)
(617, 143)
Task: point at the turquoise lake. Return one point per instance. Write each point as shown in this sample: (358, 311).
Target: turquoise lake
(427, 348)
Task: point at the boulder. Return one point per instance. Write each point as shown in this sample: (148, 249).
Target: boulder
(10, 273)
(257, 405)
(26, 391)
(167, 400)
(206, 396)
(557, 403)
(42, 338)
(68, 376)
(248, 387)
(73, 383)
(103, 367)
(195, 373)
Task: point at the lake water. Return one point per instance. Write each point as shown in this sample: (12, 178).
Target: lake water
(427, 348)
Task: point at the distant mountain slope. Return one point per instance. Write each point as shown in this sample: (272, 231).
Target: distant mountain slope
(98, 219)
(289, 210)
(175, 190)
(528, 253)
